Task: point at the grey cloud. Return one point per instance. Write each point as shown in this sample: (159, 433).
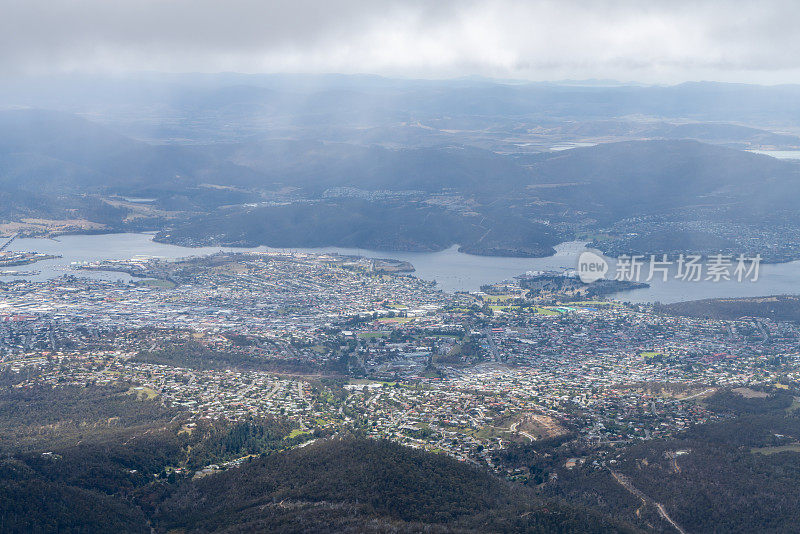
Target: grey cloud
(650, 41)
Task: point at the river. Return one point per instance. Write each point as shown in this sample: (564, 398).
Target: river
(451, 269)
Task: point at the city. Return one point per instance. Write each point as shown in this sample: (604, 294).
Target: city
(337, 344)
(399, 267)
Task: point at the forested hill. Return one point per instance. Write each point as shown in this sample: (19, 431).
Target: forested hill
(361, 485)
(651, 195)
(617, 180)
(113, 459)
(404, 225)
(776, 307)
(737, 474)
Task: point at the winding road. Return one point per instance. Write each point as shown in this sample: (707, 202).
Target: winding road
(625, 483)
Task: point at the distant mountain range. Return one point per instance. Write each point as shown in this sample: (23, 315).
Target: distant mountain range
(618, 180)
(203, 107)
(412, 166)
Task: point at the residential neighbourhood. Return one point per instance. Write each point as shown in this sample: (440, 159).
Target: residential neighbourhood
(336, 344)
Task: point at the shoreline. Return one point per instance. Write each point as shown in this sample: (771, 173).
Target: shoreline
(453, 270)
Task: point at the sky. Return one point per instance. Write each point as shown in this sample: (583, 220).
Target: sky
(644, 41)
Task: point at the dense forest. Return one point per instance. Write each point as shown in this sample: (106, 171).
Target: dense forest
(191, 354)
(107, 459)
(409, 226)
(356, 484)
(736, 475)
(87, 459)
(778, 308)
(102, 459)
(40, 416)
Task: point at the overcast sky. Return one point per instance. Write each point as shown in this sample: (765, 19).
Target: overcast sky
(662, 42)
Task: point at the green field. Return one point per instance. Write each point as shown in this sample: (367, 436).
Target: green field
(793, 447)
(143, 393)
(366, 381)
(499, 298)
(537, 310)
(370, 335)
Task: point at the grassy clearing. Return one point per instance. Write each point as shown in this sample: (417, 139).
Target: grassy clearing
(491, 432)
(143, 393)
(367, 381)
(502, 307)
(370, 335)
(794, 406)
(792, 447)
(499, 298)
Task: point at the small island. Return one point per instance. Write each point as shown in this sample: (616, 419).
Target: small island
(14, 259)
(567, 283)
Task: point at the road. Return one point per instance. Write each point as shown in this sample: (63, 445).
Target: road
(764, 331)
(625, 483)
(8, 243)
(492, 345)
(709, 390)
(513, 428)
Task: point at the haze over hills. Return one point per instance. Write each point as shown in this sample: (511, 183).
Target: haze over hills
(617, 180)
(236, 104)
(260, 159)
(240, 303)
